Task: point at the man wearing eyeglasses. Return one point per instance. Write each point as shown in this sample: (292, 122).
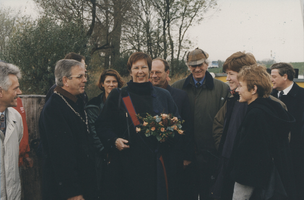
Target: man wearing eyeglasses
(183, 144)
(79, 58)
(206, 95)
(69, 164)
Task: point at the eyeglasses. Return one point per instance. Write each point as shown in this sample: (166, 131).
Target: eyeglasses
(79, 76)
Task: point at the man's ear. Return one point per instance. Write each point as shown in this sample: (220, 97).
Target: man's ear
(285, 76)
(255, 89)
(168, 78)
(65, 81)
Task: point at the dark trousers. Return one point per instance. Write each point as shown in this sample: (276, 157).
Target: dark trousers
(199, 176)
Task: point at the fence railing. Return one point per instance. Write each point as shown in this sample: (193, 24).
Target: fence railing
(31, 177)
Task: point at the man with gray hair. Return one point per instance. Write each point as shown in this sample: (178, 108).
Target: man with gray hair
(206, 95)
(69, 166)
(11, 131)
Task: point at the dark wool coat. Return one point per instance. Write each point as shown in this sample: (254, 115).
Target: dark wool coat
(136, 173)
(205, 102)
(68, 168)
(235, 112)
(294, 101)
(94, 108)
(186, 145)
(263, 136)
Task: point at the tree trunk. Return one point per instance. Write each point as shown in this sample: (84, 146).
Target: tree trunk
(116, 33)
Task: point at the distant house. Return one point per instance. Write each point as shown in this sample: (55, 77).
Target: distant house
(213, 64)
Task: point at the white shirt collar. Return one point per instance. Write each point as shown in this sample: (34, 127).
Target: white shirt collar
(287, 90)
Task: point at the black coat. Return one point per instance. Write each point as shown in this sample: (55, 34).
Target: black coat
(68, 168)
(136, 173)
(180, 98)
(262, 136)
(294, 101)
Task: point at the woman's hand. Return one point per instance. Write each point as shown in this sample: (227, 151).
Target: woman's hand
(121, 144)
(80, 197)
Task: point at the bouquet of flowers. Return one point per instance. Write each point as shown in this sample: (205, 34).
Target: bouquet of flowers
(162, 127)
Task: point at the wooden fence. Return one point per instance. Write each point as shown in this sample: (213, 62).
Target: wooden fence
(31, 177)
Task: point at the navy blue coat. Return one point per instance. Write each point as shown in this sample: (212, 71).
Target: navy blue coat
(69, 163)
(136, 173)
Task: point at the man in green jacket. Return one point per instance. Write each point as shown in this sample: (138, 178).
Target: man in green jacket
(206, 96)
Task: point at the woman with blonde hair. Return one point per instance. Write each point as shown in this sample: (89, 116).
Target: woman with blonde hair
(262, 139)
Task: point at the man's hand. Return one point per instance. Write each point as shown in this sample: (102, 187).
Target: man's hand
(186, 163)
(80, 197)
(28, 162)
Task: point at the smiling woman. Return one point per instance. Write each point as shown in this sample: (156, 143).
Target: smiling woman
(136, 171)
(261, 144)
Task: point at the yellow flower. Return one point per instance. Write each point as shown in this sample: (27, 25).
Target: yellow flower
(138, 129)
(180, 132)
(162, 129)
(153, 128)
(145, 123)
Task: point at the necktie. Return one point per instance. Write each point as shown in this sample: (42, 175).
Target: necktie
(281, 94)
(2, 123)
(198, 84)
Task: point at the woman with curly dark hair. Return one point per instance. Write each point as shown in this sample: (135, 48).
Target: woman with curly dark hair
(109, 79)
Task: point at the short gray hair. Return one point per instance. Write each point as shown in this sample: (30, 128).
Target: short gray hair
(5, 70)
(63, 68)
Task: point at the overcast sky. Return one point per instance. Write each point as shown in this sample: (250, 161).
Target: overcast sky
(270, 29)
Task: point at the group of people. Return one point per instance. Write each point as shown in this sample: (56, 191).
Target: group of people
(236, 135)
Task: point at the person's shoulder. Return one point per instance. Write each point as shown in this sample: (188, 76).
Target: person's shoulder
(179, 84)
(220, 83)
(95, 101)
(298, 88)
(11, 110)
(161, 91)
(177, 91)
(14, 114)
(278, 101)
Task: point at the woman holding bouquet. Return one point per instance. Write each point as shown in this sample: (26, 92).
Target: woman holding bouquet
(140, 166)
